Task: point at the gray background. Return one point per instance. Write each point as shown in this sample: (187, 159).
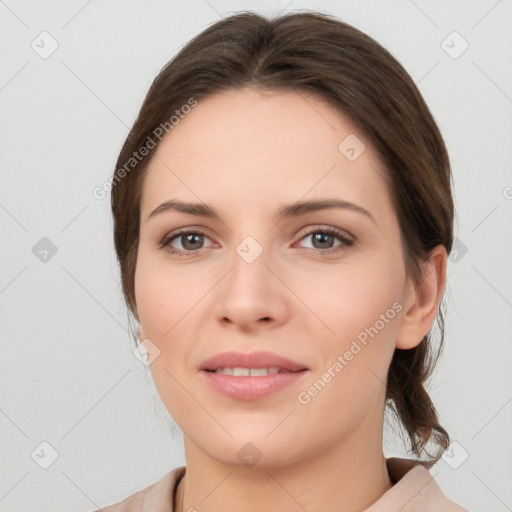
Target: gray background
(68, 375)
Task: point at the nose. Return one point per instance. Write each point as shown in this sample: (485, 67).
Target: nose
(251, 294)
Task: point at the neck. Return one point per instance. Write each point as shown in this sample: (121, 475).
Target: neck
(348, 478)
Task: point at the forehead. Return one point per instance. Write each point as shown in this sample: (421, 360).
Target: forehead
(260, 145)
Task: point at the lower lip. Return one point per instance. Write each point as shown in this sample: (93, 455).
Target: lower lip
(251, 388)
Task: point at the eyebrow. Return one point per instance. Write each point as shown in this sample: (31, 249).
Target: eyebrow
(286, 211)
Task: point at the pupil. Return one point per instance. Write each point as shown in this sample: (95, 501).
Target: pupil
(321, 237)
(191, 239)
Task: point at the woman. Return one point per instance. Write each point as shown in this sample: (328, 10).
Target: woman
(282, 219)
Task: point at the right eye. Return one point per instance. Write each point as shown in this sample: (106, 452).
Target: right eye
(190, 241)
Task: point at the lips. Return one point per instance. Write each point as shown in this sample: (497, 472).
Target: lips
(251, 376)
(260, 359)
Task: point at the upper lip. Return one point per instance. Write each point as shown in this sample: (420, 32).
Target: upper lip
(260, 359)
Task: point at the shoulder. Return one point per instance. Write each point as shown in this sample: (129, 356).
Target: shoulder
(158, 496)
(414, 489)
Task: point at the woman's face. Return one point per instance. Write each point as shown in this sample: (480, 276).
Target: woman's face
(325, 288)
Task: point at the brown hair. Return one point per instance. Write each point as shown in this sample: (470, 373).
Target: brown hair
(318, 54)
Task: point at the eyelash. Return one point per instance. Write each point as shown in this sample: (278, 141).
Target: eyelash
(345, 241)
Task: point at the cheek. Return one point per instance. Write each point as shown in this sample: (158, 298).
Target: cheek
(359, 313)
(347, 299)
(167, 297)
(351, 378)
(171, 306)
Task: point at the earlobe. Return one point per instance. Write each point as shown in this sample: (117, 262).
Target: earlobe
(421, 303)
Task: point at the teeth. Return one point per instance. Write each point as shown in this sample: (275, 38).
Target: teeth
(248, 372)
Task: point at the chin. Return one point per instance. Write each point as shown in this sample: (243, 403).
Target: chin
(250, 448)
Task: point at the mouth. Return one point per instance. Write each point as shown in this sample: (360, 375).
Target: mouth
(251, 376)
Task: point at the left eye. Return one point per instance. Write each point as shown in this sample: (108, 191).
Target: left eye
(323, 238)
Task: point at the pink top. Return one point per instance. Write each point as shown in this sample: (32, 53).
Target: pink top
(414, 490)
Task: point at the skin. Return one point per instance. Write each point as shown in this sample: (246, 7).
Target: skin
(247, 153)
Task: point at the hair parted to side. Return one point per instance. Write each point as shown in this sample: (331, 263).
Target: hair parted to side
(314, 53)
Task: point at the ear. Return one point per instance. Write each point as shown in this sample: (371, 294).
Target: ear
(421, 301)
